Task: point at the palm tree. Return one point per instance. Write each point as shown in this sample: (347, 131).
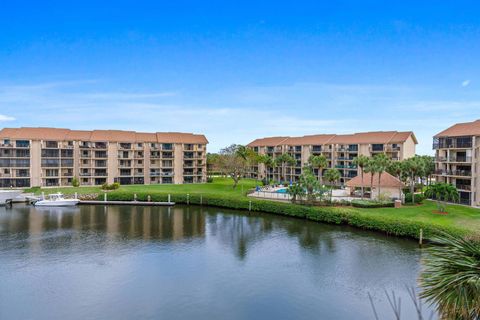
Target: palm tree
(442, 193)
(361, 161)
(370, 168)
(296, 190)
(395, 168)
(381, 162)
(413, 167)
(450, 278)
(332, 175)
(283, 159)
(310, 184)
(319, 162)
(268, 162)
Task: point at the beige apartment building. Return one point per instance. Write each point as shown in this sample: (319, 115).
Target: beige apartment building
(457, 159)
(340, 150)
(50, 157)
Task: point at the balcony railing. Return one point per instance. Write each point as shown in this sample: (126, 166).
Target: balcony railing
(462, 173)
(464, 187)
(454, 159)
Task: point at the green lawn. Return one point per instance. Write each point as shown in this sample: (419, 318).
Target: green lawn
(221, 186)
(458, 216)
(461, 217)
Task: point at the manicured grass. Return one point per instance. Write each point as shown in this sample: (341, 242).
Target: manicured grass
(221, 186)
(457, 216)
(404, 221)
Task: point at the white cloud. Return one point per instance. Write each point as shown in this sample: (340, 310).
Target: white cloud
(6, 118)
(240, 115)
(466, 83)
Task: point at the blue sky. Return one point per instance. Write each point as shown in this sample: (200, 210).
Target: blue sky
(237, 70)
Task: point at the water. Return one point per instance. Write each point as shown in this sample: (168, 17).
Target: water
(96, 262)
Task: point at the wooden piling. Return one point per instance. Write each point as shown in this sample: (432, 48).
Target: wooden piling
(420, 239)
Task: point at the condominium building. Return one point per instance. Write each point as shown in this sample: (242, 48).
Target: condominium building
(457, 159)
(53, 157)
(340, 151)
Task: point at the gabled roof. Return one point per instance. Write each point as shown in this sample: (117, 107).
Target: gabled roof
(268, 141)
(356, 138)
(317, 139)
(386, 180)
(58, 134)
(461, 129)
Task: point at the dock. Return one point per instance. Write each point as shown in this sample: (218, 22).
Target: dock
(123, 203)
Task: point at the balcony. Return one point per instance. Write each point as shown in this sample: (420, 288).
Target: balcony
(345, 167)
(100, 145)
(453, 143)
(460, 173)
(464, 187)
(22, 144)
(125, 146)
(392, 149)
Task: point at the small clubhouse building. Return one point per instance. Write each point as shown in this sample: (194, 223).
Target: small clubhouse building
(390, 186)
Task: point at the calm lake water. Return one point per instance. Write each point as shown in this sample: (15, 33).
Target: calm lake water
(95, 262)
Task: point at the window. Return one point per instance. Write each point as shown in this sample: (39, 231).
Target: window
(51, 144)
(6, 171)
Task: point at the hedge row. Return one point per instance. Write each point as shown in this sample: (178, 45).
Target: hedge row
(371, 204)
(394, 225)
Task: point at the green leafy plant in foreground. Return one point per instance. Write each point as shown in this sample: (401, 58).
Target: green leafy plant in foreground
(451, 277)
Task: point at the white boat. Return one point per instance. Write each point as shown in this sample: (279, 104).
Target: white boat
(8, 195)
(56, 200)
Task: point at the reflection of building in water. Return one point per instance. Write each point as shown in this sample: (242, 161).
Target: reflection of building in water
(101, 225)
(141, 222)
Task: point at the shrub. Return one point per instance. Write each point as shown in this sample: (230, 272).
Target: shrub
(75, 182)
(113, 186)
(371, 204)
(419, 197)
(209, 180)
(389, 224)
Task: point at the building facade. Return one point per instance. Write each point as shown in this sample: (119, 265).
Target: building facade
(457, 159)
(340, 151)
(50, 157)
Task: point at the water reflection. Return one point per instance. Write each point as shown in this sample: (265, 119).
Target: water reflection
(192, 262)
(31, 226)
(238, 231)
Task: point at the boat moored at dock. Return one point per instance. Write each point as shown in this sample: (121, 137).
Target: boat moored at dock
(56, 200)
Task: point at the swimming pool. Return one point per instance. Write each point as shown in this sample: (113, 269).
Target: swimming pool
(281, 191)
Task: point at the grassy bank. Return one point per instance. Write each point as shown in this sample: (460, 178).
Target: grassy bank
(406, 221)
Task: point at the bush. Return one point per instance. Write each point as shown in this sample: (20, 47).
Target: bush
(389, 224)
(209, 180)
(419, 197)
(75, 182)
(371, 204)
(113, 186)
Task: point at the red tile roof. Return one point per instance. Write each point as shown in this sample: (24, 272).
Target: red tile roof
(59, 134)
(386, 180)
(356, 138)
(461, 129)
